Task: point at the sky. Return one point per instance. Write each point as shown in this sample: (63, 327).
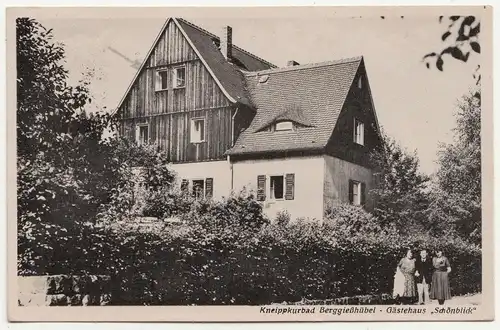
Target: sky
(415, 105)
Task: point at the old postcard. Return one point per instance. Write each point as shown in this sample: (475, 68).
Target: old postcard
(250, 164)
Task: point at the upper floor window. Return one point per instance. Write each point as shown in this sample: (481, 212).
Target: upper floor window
(359, 132)
(161, 80)
(284, 126)
(360, 82)
(142, 134)
(197, 130)
(179, 77)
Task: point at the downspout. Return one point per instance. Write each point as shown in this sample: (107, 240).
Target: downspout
(232, 145)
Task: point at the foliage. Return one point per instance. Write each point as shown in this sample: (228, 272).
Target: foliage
(462, 38)
(72, 173)
(456, 205)
(282, 218)
(200, 263)
(400, 191)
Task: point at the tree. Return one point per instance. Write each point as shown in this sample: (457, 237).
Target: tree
(462, 38)
(400, 191)
(68, 173)
(456, 197)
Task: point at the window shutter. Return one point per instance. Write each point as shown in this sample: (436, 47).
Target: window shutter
(351, 193)
(290, 186)
(209, 187)
(184, 185)
(363, 197)
(261, 187)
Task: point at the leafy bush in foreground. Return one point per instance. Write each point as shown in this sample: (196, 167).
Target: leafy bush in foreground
(199, 262)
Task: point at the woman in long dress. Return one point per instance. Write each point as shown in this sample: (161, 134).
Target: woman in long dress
(440, 287)
(407, 267)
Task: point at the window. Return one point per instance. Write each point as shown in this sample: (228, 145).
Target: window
(197, 130)
(276, 187)
(161, 80)
(179, 77)
(360, 82)
(142, 134)
(280, 187)
(284, 126)
(359, 132)
(356, 192)
(198, 188)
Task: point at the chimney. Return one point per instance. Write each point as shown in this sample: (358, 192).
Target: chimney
(226, 42)
(292, 63)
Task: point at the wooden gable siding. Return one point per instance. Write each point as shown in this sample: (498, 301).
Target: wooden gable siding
(169, 112)
(358, 105)
(170, 133)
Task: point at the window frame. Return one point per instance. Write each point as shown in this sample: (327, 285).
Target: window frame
(193, 120)
(271, 191)
(175, 76)
(158, 82)
(283, 129)
(361, 140)
(203, 188)
(139, 135)
(356, 192)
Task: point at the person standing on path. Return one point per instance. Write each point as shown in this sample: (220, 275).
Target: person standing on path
(407, 267)
(440, 287)
(423, 276)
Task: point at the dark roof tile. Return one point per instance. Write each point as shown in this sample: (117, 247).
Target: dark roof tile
(317, 90)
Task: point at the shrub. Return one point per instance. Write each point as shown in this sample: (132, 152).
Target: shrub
(282, 218)
(216, 258)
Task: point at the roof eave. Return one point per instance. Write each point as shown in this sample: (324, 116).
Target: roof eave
(231, 152)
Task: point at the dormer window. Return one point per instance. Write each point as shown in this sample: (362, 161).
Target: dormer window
(284, 126)
(179, 77)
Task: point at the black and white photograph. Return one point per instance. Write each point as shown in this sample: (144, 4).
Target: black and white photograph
(276, 163)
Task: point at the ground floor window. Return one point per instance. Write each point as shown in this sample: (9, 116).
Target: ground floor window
(356, 192)
(276, 187)
(199, 188)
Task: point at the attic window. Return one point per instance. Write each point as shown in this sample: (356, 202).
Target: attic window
(161, 80)
(179, 77)
(284, 126)
(360, 82)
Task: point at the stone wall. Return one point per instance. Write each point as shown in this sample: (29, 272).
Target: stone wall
(63, 290)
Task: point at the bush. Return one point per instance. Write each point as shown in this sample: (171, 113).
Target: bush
(216, 257)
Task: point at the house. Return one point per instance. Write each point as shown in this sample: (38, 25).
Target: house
(299, 136)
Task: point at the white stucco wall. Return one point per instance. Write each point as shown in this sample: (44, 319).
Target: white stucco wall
(309, 177)
(218, 170)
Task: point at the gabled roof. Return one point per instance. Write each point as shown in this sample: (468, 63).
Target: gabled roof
(318, 91)
(226, 73)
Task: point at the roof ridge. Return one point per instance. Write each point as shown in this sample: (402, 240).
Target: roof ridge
(215, 36)
(303, 66)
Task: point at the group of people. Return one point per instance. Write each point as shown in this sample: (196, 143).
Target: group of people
(424, 276)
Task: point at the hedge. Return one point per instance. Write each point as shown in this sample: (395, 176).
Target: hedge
(219, 258)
